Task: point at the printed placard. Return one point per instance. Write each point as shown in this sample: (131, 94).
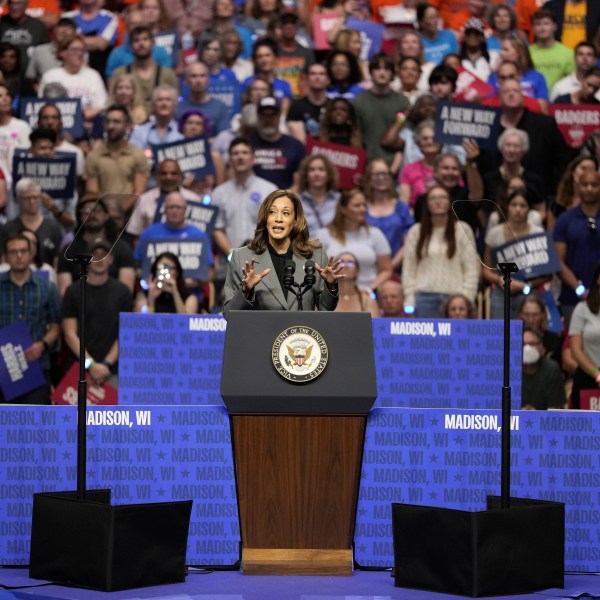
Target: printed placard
(455, 122)
(192, 154)
(55, 175)
(576, 122)
(17, 376)
(70, 110)
(349, 162)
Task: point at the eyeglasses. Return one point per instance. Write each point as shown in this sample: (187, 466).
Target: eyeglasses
(508, 77)
(380, 175)
(591, 225)
(348, 263)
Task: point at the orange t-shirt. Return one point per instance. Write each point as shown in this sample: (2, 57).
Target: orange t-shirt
(525, 10)
(38, 8)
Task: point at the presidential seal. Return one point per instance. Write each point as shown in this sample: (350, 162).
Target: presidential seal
(299, 354)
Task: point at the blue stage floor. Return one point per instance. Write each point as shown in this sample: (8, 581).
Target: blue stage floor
(232, 585)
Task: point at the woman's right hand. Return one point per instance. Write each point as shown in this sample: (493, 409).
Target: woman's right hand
(250, 278)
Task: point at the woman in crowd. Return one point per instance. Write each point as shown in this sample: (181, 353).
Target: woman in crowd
(385, 210)
(409, 73)
(513, 145)
(11, 75)
(349, 40)
(474, 55)
(339, 124)
(352, 297)
(233, 45)
(318, 190)
(166, 291)
(263, 12)
(192, 123)
(517, 226)
(534, 313)
(503, 20)
(584, 331)
(440, 258)
(505, 190)
(123, 90)
(344, 75)
(256, 271)
(567, 193)
(349, 231)
(417, 177)
(79, 80)
(458, 306)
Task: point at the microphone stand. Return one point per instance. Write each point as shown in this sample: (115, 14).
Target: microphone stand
(83, 260)
(302, 288)
(506, 269)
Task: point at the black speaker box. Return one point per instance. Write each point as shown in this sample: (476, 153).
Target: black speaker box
(494, 552)
(91, 544)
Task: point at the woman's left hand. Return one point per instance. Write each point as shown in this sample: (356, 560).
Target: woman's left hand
(331, 272)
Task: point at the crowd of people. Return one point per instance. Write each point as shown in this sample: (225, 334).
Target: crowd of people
(268, 92)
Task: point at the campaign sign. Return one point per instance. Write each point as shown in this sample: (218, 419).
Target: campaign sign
(55, 175)
(170, 359)
(197, 214)
(576, 122)
(535, 255)
(454, 122)
(70, 110)
(193, 254)
(470, 88)
(66, 391)
(192, 154)
(589, 399)
(323, 23)
(349, 162)
(17, 376)
(371, 36)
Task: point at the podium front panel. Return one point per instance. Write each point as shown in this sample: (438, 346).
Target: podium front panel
(250, 383)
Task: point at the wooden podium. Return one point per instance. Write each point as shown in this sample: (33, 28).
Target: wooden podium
(298, 446)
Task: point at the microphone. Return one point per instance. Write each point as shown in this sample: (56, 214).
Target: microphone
(309, 273)
(288, 273)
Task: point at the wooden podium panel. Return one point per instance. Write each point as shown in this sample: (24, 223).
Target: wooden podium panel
(298, 479)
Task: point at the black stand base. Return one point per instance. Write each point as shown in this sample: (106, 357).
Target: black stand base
(490, 553)
(91, 544)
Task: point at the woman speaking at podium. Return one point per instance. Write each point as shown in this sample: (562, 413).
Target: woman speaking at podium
(276, 267)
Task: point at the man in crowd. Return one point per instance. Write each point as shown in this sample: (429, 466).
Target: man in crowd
(150, 208)
(377, 108)
(577, 243)
(115, 166)
(551, 58)
(197, 79)
(26, 297)
(161, 127)
(146, 72)
(277, 155)
(92, 214)
(585, 59)
(303, 119)
(543, 384)
(390, 298)
(105, 299)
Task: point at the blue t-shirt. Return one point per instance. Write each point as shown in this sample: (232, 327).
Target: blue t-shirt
(394, 226)
(216, 112)
(281, 88)
(123, 56)
(533, 84)
(435, 50)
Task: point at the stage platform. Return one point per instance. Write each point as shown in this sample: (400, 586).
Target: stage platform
(232, 585)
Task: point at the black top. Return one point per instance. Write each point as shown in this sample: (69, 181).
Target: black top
(279, 261)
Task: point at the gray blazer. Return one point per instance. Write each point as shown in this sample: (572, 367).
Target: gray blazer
(268, 294)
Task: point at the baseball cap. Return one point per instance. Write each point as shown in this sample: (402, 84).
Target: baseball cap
(475, 24)
(268, 103)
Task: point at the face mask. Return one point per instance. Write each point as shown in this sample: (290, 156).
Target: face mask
(531, 354)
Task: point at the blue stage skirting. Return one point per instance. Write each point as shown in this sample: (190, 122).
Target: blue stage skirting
(438, 457)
